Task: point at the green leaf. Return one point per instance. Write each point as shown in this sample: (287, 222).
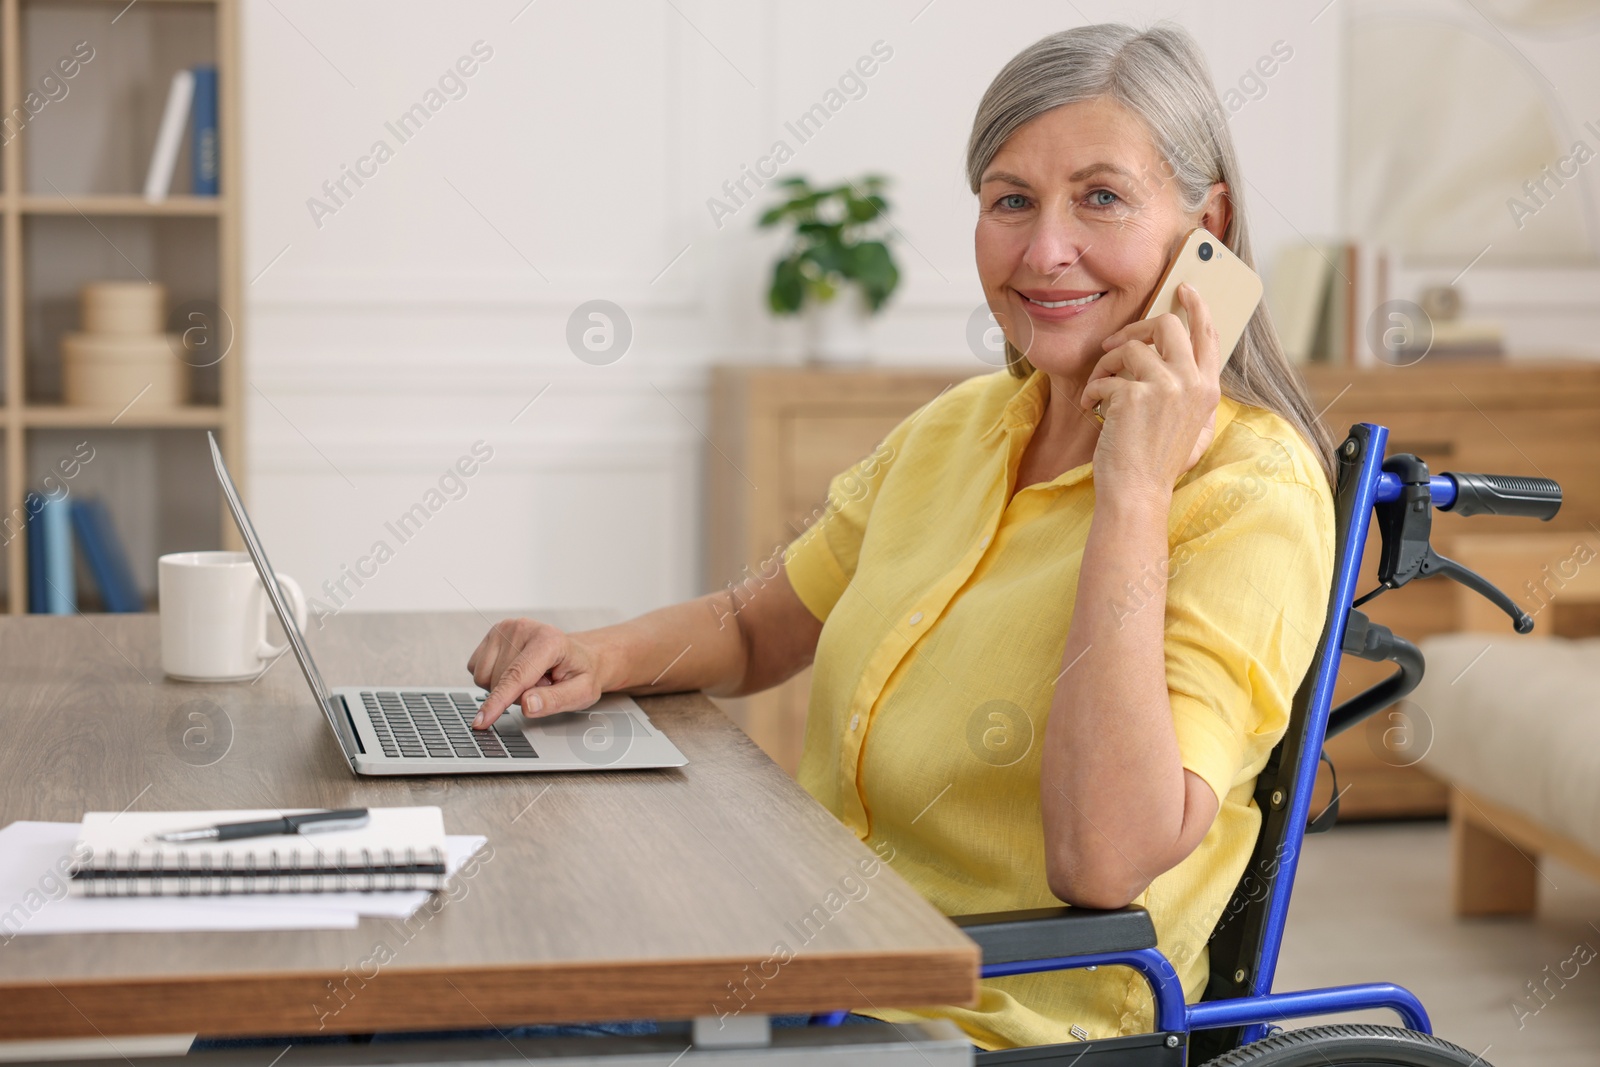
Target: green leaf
(873, 267)
(870, 262)
(788, 287)
(865, 209)
(829, 258)
(822, 289)
(820, 233)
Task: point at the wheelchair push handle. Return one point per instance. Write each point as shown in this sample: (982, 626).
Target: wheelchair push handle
(1500, 494)
(1479, 494)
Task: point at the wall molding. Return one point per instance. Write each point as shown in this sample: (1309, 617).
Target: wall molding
(1518, 290)
(435, 378)
(354, 294)
(454, 298)
(593, 457)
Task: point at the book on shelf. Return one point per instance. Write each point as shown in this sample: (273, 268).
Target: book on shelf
(1324, 297)
(60, 586)
(203, 156)
(1296, 288)
(117, 855)
(1459, 338)
(1334, 335)
(1371, 285)
(169, 138)
(33, 503)
(103, 553)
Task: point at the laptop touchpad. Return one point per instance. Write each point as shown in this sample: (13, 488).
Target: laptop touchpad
(595, 736)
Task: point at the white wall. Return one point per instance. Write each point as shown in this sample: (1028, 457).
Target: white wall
(428, 310)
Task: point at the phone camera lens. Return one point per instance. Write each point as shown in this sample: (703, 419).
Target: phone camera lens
(1205, 249)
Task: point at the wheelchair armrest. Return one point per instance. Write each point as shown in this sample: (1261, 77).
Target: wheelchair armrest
(1052, 933)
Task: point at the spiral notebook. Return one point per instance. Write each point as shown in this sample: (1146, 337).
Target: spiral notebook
(117, 855)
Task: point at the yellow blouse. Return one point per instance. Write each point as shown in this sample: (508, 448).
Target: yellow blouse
(945, 612)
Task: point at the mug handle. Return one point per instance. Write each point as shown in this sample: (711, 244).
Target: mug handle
(297, 607)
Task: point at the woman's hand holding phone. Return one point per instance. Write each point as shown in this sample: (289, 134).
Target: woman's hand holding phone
(1158, 387)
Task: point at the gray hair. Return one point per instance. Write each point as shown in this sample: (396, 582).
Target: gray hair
(1161, 76)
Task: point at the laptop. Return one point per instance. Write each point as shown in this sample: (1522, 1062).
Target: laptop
(427, 730)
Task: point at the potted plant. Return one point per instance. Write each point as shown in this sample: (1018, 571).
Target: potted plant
(837, 268)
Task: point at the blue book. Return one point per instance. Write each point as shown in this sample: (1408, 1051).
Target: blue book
(60, 590)
(203, 152)
(31, 503)
(103, 552)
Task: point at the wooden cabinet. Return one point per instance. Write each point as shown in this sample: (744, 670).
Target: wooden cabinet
(780, 434)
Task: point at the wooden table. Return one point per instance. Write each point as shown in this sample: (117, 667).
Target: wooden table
(608, 895)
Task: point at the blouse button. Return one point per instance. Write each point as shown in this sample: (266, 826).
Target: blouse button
(916, 618)
(855, 720)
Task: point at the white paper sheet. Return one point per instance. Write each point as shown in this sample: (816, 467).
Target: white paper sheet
(34, 858)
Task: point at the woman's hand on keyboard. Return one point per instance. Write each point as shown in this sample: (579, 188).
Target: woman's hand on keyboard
(537, 663)
(724, 643)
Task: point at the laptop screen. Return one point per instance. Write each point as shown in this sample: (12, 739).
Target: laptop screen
(308, 666)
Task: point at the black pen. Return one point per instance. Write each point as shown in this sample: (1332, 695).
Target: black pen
(309, 823)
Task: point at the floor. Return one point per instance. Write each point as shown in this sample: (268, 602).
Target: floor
(1372, 903)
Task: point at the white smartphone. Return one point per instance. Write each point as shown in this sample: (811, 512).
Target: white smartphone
(1230, 289)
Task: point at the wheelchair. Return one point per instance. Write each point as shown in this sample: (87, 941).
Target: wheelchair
(1233, 1024)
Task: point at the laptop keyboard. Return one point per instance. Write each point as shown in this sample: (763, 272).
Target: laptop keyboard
(435, 725)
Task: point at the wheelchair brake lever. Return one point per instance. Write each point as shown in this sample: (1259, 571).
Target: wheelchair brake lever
(1406, 523)
(1435, 564)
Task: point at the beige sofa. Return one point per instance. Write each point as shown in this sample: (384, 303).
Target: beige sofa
(1515, 720)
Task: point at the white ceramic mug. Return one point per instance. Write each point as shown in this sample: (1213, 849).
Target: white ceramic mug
(214, 616)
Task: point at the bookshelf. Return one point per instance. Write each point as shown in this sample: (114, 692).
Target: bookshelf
(71, 212)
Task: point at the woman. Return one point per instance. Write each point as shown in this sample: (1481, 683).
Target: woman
(1050, 655)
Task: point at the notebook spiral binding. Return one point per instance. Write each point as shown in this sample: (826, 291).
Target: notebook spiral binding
(121, 873)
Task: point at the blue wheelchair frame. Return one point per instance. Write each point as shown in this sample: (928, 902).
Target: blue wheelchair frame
(1238, 1006)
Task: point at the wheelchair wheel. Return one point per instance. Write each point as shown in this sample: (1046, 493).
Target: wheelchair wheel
(1349, 1045)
